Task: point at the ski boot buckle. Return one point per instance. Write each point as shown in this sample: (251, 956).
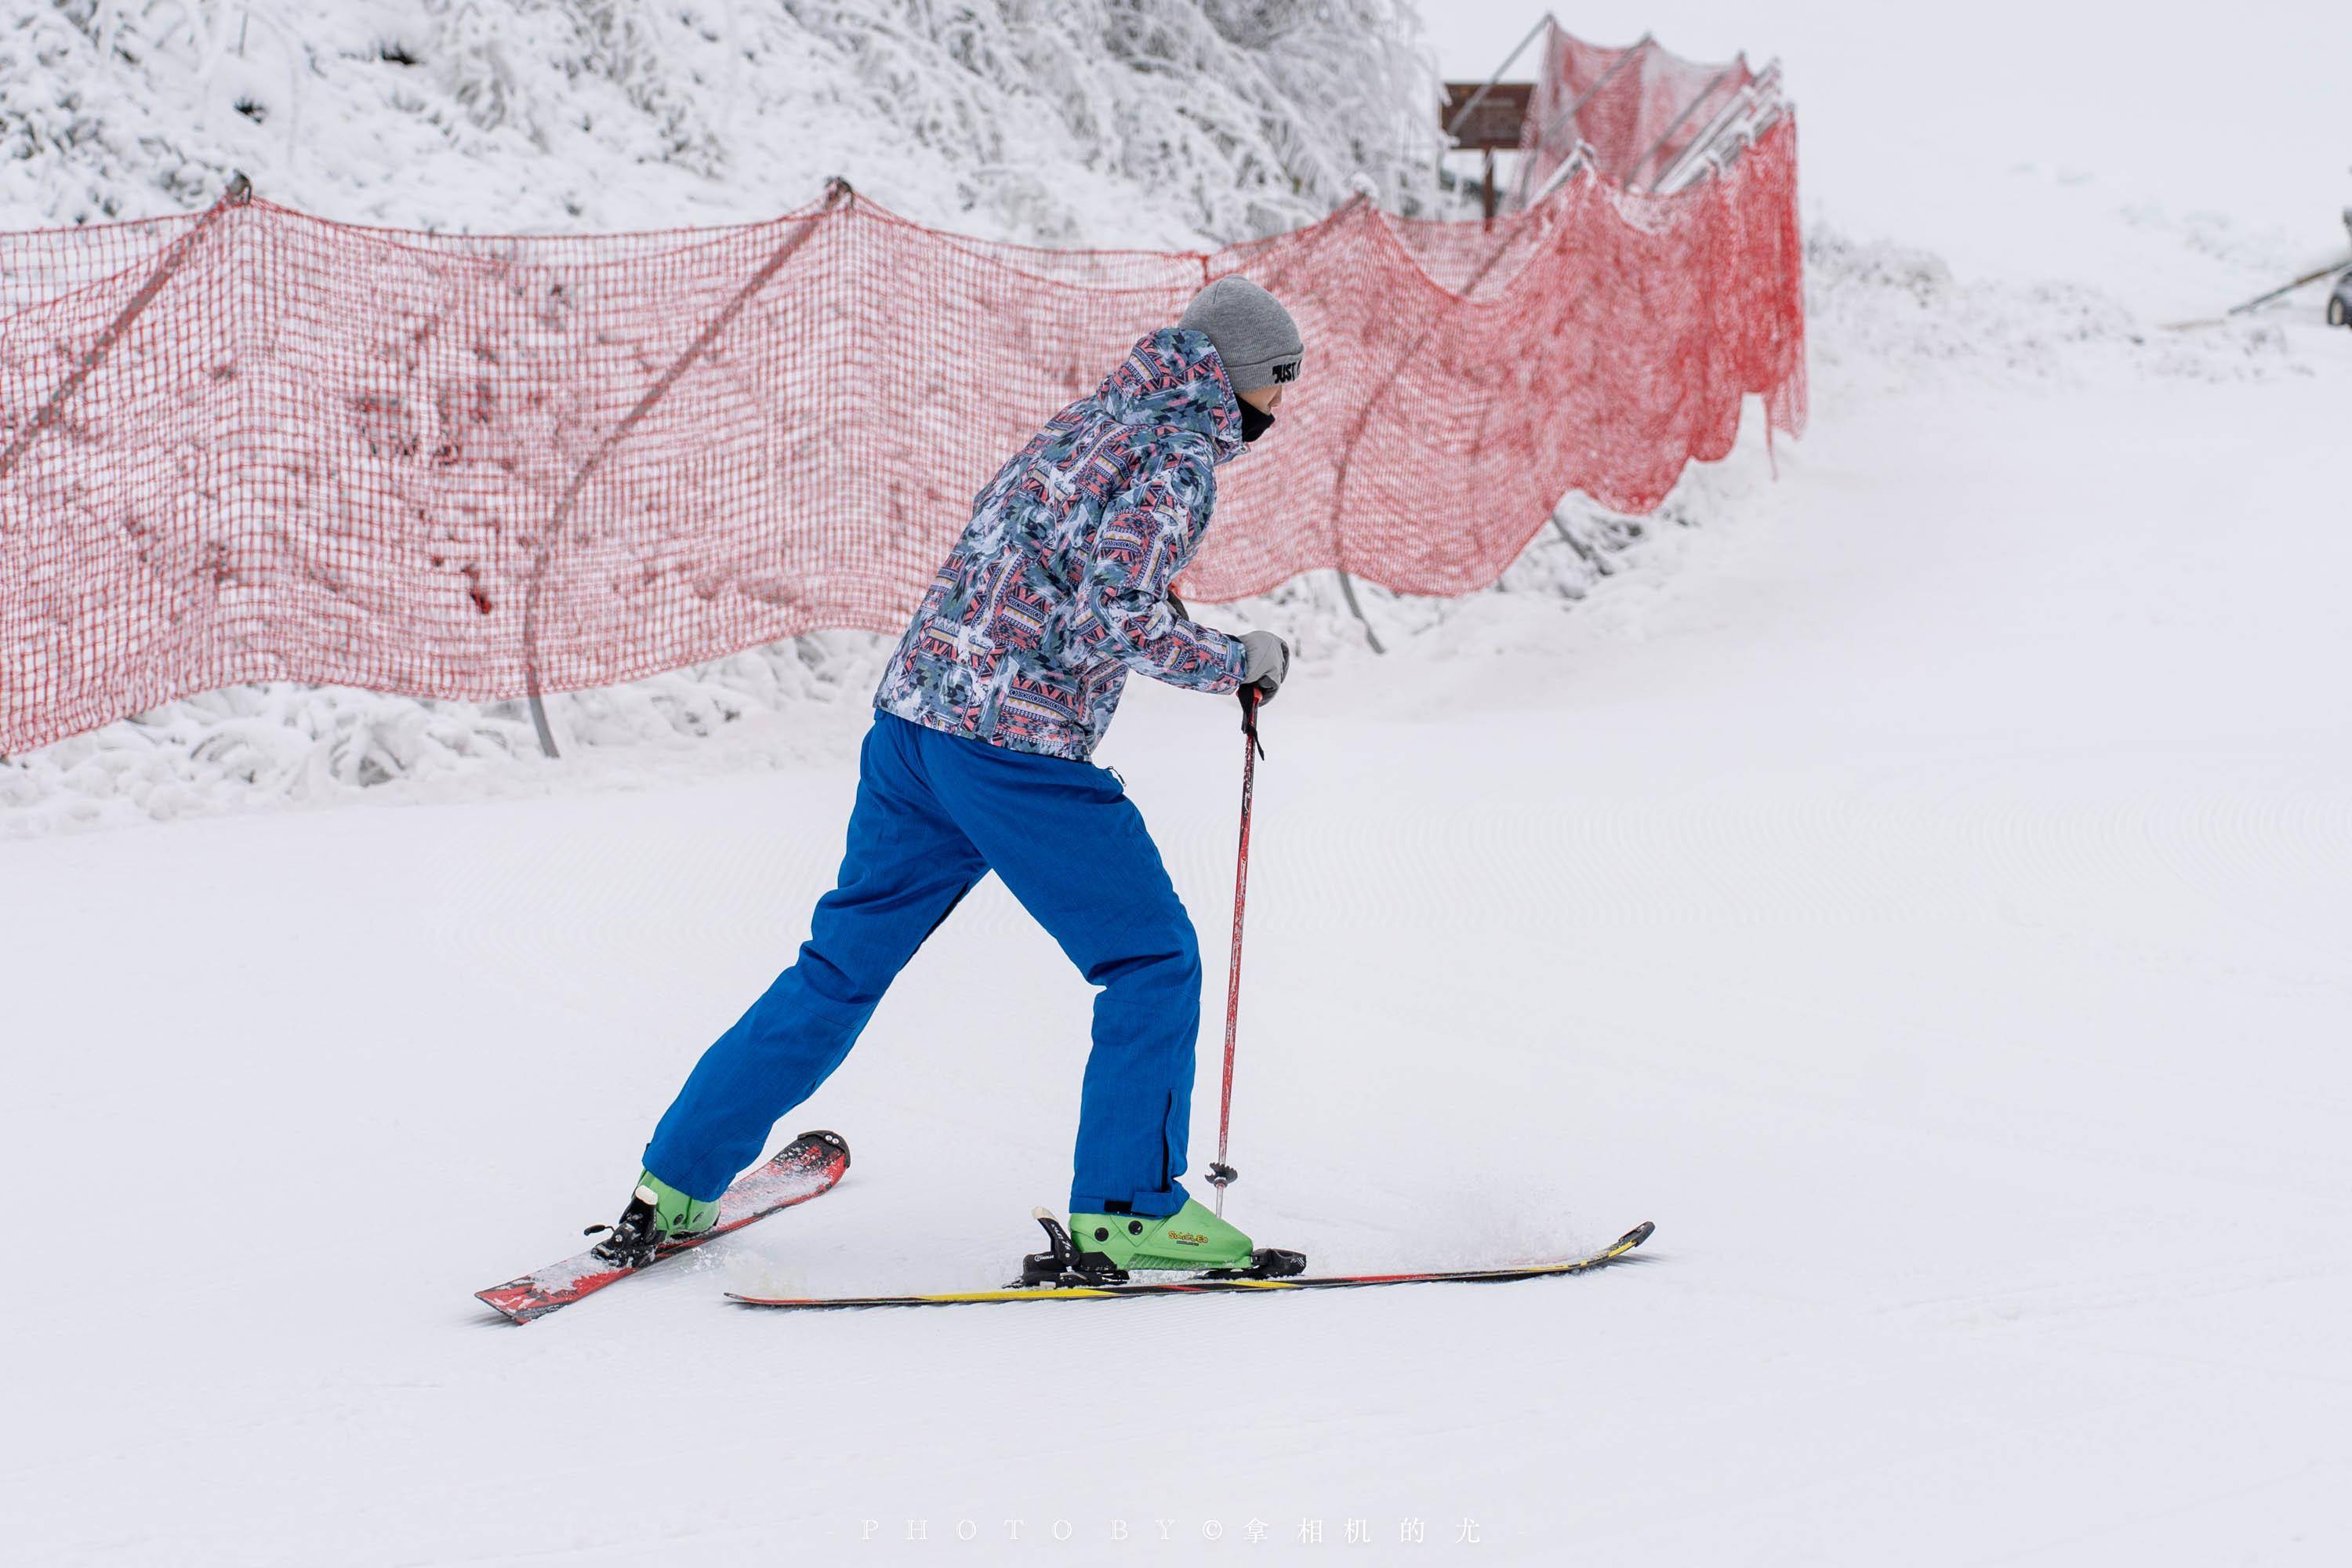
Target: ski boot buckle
(1062, 1264)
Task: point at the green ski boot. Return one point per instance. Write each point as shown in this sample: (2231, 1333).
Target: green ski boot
(1104, 1246)
(657, 1214)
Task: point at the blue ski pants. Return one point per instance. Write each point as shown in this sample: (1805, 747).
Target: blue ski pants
(936, 813)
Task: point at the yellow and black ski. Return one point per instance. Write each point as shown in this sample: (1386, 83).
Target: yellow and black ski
(1210, 1286)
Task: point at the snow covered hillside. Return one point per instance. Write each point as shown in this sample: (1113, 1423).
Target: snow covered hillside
(1151, 124)
(1909, 870)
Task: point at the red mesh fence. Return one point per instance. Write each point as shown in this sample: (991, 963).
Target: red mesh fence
(254, 445)
(1637, 108)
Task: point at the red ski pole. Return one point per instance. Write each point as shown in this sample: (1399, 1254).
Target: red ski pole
(1221, 1174)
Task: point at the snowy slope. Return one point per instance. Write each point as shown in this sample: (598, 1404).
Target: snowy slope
(1140, 125)
(1918, 888)
(1920, 893)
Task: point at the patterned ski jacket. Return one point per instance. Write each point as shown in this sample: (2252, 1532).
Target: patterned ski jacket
(1059, 584)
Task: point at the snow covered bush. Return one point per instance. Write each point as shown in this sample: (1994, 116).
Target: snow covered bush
(1066, 121)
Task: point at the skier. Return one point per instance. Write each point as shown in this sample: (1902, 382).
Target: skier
(977, 762)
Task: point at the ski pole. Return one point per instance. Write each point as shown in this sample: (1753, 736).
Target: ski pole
(1221, 1174)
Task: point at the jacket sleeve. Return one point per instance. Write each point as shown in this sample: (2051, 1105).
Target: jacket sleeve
(1149, 532)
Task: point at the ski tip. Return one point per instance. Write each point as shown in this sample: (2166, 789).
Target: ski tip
(1635, 1238)
(504, 1300)
(1041, 1211)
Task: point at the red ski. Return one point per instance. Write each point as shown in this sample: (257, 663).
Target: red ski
(807, 1167)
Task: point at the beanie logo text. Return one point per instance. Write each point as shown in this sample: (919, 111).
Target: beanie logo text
(1283, 373)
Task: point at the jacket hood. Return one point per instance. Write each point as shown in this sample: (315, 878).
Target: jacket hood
(1173, 379)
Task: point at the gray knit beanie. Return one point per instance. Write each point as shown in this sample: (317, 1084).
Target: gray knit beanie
(1252, 333)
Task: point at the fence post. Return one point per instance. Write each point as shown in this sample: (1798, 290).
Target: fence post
(1663, 136)
(1546, 20)
(837, 194)
(1641, 45)
(1751, 100)
(1581, 156)
(238, 192)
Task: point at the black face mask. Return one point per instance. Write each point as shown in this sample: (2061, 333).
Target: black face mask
(1255, 421)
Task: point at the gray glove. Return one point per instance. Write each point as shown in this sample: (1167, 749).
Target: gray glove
(1268, 662)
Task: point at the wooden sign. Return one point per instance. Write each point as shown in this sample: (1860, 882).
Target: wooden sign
(1495, 123)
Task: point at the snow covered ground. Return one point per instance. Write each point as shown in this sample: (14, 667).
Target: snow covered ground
(1919, 887)
(1921, 893)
